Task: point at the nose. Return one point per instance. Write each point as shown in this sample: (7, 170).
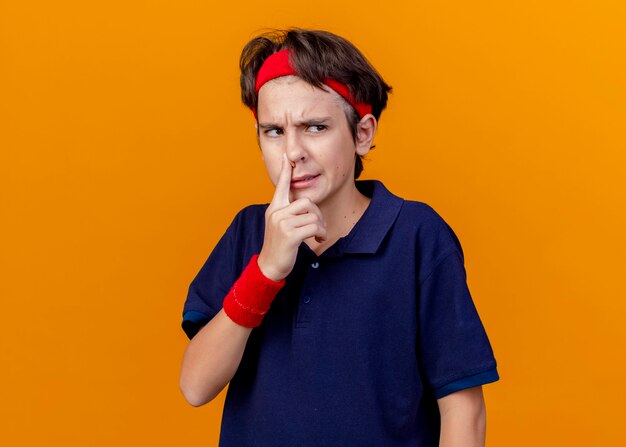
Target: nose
(294, 149)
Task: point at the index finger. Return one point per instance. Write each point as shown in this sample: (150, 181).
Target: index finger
(283, 185)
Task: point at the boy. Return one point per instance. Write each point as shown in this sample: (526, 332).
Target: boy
(339, 312)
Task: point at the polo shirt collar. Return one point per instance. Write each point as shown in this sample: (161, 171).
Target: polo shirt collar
(370, 230)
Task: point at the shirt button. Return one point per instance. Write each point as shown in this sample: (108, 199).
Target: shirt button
(315, 265)
(306, 299)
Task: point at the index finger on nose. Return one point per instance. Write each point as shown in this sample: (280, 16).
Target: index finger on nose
(283, 185)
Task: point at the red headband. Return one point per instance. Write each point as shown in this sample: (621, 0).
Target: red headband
(278, 65)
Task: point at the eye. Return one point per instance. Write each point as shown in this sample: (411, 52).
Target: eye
(316, 128)
(274, 132)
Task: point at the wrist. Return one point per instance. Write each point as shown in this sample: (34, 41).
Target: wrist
(268, 271)
(250, 297)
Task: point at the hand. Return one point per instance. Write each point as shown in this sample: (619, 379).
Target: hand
(286, 226)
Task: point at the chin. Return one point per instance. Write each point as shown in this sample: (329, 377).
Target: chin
(300, 194)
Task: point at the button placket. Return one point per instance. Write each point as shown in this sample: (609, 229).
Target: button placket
(304, 316)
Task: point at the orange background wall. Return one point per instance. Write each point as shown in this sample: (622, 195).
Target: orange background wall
(125, 153)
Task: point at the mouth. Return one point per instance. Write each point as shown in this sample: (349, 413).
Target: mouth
(303, 178)
(304, 181)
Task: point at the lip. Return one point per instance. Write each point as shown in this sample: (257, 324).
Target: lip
(298, 183)
(302, 177)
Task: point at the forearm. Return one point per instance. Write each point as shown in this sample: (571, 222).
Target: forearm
(463, 419)
(212, 358)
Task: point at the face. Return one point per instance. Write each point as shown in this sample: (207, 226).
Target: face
(310, 126)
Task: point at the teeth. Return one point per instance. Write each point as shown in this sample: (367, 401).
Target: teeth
(307, 178)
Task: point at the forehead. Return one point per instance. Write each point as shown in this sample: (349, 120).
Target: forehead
(294, 97)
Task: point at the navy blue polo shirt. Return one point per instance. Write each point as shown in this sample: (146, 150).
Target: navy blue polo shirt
(361, 341)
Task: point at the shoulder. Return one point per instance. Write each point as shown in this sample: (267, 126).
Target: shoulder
(248, 217)
(253, 211)
(434, 238)
(420, 212)
(414, 221)
(411, 214)
(427, 222)
(246, 232)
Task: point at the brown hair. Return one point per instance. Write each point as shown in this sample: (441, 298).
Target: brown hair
(317, 55)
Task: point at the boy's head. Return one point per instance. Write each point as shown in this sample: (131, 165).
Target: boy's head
(323, 60)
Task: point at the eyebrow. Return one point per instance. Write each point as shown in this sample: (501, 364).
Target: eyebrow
(309, 122)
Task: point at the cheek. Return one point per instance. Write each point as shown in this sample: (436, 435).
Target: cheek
(272, 166)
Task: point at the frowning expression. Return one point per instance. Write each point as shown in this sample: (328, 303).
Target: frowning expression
(310, 126)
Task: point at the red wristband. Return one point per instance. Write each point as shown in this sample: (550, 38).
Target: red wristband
(250, 297)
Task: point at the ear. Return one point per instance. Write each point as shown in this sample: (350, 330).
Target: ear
(365, 131)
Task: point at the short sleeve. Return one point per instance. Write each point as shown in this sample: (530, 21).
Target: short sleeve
(207, 290)
(454, 350)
